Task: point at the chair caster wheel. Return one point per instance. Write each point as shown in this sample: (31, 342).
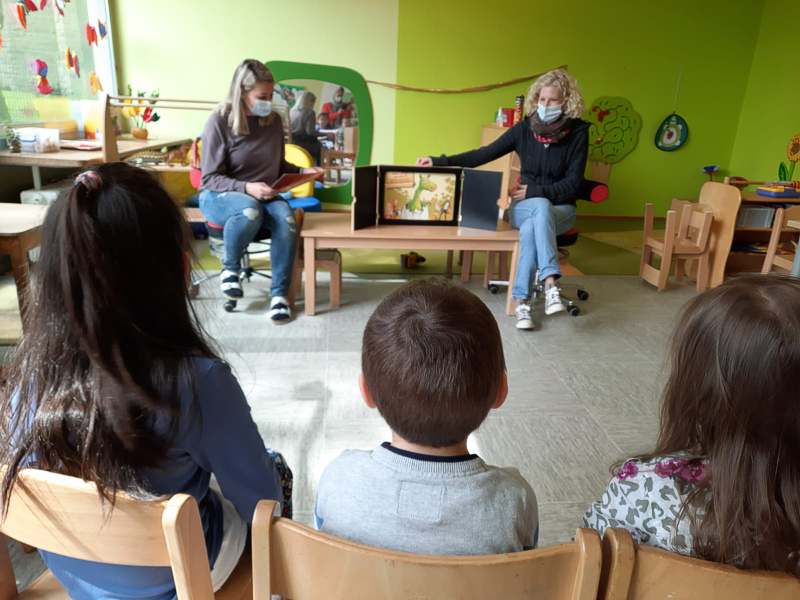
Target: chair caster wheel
(574, 311)
(493, 289)
(583, 295)
(229, 305)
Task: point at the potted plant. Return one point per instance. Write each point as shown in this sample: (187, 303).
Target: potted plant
(142, 113)
(12, 139)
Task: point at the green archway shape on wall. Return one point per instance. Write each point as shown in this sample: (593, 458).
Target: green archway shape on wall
(352, 80)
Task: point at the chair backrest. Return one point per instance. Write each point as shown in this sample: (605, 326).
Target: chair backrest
(632, 572)
(65, 515)
(302, 158)
(297, 562)
(694, 226)
(772, 259)
(724, 201)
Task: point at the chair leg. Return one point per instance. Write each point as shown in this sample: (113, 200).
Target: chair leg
(448, 272)
(466, 265)
(336, 282)
(503, 256)
(702, 272)
(460, 257)
(488, 272)
(680, 266)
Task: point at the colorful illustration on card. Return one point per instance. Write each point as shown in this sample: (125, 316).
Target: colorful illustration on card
(419, 196)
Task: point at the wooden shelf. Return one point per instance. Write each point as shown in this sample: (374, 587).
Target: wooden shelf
(767, 229)
(754, 198)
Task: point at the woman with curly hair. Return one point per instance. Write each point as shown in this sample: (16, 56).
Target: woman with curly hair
(552, 143)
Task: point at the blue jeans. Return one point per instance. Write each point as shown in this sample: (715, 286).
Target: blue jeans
(539, 222)
(244, 218)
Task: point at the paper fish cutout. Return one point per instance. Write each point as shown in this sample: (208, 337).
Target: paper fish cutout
(41, 77)
(101, 29)
(22, 15)
(91, 35)
(30, 5)
(1, 37)
(94, 83)
(42, 4)
(72, 62)
(60, 5)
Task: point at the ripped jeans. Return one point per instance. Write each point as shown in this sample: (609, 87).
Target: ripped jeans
(244, 219)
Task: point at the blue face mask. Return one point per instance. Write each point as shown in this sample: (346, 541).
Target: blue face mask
(261, 108)
(548, 114)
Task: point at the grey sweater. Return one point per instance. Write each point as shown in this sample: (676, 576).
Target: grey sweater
(230, 161)
(398, 500)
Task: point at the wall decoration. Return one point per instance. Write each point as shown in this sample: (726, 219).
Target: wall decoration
(91, 35)
(72, 62)
(42, 85)
(793, 154)
(672, 133)
(94, 84)
(61, 6)
(613, 133)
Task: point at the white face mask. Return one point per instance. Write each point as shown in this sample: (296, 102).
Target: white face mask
(261, 108)
(548, 114)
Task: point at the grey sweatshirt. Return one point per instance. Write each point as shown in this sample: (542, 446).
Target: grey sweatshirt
(303, 121)
(399, 500)
(230, 161)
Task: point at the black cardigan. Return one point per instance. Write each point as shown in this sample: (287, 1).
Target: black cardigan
(553, 172)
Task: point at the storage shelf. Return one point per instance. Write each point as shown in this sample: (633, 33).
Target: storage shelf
(784, 230)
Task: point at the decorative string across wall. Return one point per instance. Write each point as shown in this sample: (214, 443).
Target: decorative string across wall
(480, 88)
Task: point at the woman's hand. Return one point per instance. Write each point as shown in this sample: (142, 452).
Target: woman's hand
(259, 191)
(424, 161)
(517, 193)
(318, 170)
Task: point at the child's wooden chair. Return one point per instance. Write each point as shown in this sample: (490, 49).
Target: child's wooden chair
(633, 572)
(300, 563)
(685, 240)
(64, 515)
(772, 259)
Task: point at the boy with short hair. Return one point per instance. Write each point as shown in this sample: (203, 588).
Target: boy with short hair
(432, 364)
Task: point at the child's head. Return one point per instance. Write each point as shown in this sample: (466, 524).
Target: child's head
(432, 362)
(733, 397)
(323, 120)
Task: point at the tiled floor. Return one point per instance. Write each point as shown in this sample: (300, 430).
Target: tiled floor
(583, 391)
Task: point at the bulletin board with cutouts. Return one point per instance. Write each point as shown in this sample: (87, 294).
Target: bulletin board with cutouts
(54, 56)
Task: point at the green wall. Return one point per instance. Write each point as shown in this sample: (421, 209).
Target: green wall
(770, 114)
(624, 48)
(190, 49)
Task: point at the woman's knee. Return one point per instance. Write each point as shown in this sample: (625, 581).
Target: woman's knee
(540, 206)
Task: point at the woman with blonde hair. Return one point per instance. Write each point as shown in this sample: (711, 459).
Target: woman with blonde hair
(243, 155)
(552, 143)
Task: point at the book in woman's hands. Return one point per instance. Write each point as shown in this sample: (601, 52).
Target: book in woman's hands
(287, 181)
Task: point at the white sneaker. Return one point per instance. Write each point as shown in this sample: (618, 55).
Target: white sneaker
(552, 300)
(279, 311)
(523, 311)
(230, 285)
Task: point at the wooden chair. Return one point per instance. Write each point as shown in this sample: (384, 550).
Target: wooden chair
(300, 563)
(772, 260)
(64, 515)
(633, 572)
(687, 239)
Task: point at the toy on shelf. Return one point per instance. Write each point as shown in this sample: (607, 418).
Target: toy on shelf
(710, 169)
(793, 154)
(778, 191)
(141, 112)
(411, 260)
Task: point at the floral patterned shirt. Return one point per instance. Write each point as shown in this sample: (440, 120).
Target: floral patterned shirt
(645, 498)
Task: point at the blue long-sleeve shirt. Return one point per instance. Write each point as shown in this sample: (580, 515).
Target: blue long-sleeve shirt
(216, 434)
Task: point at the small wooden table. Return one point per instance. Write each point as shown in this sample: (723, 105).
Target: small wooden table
(79, 158)
(20, 231)
(332, 230)
(795, 272)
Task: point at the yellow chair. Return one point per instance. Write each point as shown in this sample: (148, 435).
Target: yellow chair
(632, 572)
(300, 157)
(64, 515)
(300, 563)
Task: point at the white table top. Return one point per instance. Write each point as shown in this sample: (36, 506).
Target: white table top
(19, 218)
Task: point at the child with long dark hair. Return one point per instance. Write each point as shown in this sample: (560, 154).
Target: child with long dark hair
(723, 482)
(114, 383)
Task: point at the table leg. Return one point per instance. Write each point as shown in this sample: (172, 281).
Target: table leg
(310, 257)
(511, 277)
(448, 272)
(37, 177)
(19, 266)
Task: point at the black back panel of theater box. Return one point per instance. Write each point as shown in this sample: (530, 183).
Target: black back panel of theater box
(365, 197)
(479, 196)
